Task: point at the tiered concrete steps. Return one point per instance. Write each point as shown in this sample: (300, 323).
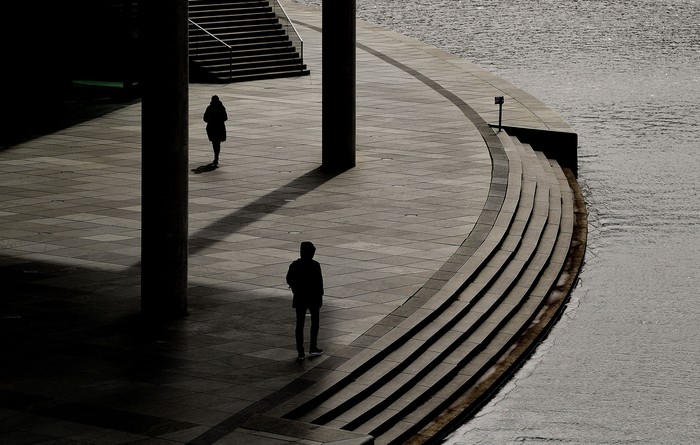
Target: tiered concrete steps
(457, 348)
(260, 47)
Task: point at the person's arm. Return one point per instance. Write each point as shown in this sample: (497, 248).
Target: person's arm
(291, 276)
(320, 281)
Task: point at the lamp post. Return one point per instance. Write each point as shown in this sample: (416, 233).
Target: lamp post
(499, 101)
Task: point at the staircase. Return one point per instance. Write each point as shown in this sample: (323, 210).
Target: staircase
(433, 370)
(241, 40)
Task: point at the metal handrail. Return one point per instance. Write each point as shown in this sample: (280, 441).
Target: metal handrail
(292, 32)
(282, 17)
(212, 36)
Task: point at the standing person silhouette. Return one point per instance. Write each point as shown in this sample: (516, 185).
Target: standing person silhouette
(306, 280)
(215, 116)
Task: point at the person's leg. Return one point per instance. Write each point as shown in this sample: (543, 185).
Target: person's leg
(313, 346)
(217, 148)
(301, 316)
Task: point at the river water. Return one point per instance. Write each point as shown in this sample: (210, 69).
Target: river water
(623, 364)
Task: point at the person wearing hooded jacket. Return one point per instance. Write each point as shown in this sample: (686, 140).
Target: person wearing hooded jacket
(215, 116)
(306, 281)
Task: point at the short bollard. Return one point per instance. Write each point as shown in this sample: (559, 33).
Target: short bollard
(499, 101)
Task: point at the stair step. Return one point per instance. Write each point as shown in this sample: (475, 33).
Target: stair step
(439, 321)
(240, 26)
(225, 72)
(257, 43)
(236, 28)
(539, 293)
(245, 41)
(222, 63)
(223, 14)
(234, 24)
(413, 379)
(243, 50)
(260, 76)
(193, 4)
(501, 315)
(233, 36)
(200, 7)
(425, 409)
(265, 51)
(367, 358)
(216, 62)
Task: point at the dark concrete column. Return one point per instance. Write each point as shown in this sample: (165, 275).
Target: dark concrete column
(164, 121)
(338, 91)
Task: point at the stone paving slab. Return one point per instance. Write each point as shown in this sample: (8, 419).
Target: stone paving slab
(78, 364)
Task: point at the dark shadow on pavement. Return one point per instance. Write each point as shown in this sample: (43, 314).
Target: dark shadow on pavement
(75, 349)
(267, 204)
(76, 354)
(80, 104)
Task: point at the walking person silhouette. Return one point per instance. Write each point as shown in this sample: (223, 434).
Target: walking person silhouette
(306, 281)
(215, 116)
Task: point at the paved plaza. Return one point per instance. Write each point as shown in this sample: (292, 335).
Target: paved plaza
(80, 366)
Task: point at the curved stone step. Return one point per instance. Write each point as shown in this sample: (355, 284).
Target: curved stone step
(547, 296)
(407, 422)
(359, 364)
(452, 319)
(359, 396)
(509, 303)
(445, 349)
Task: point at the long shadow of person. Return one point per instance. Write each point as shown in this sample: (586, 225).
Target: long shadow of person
(264, 205)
